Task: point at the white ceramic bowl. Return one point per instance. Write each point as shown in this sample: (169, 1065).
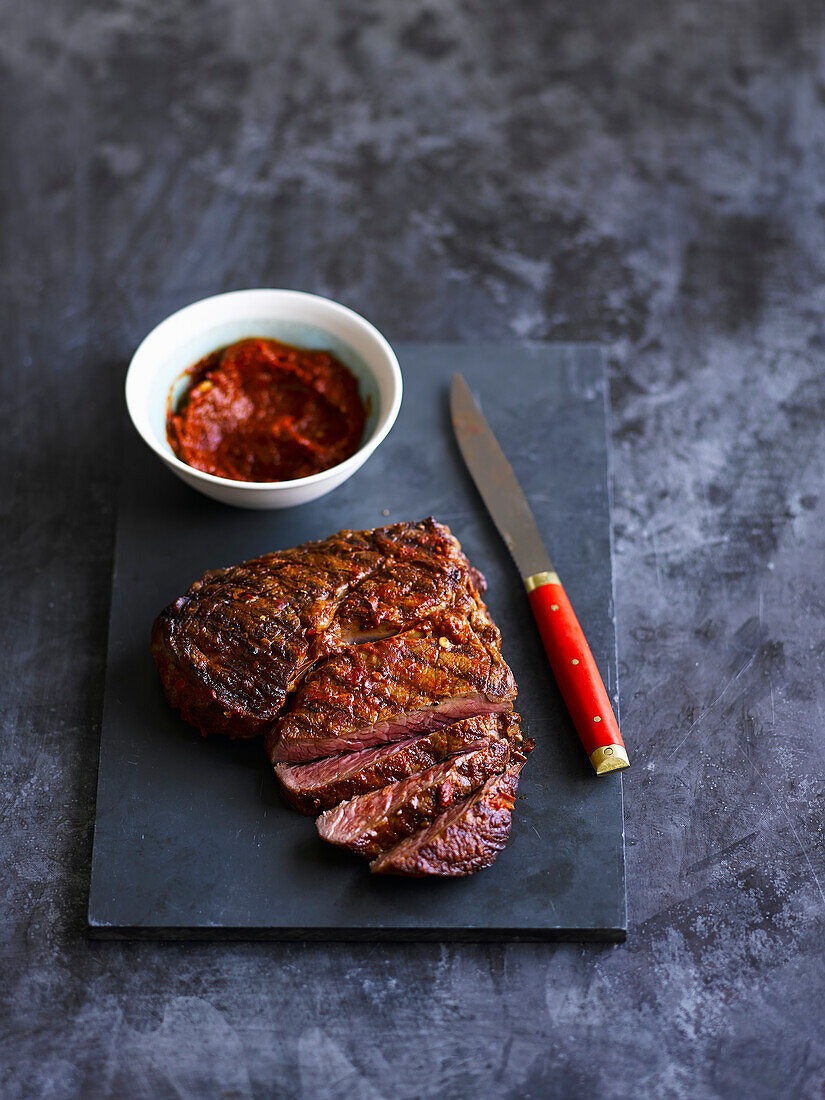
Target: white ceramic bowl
(287, 315)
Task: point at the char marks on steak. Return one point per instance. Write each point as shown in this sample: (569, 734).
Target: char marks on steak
(466, 838)
(324, 783)
(231, 648)
(370, 823)
(446, 668)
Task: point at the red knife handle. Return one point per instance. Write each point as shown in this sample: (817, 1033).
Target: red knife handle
(576, 673)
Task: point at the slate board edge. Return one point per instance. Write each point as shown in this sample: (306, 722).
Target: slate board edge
(361, 935)
(616, 695)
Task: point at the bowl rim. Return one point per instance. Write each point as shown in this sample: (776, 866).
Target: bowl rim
(348, 466)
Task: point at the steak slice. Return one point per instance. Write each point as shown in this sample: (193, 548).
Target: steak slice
(466, 838)
(231, 648)
(447, 668)
(322, 784)
(370, 823)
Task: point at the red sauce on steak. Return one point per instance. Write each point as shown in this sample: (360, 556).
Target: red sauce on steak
(259, 410)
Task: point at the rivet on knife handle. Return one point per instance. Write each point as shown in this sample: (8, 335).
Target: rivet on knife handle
(576, 672)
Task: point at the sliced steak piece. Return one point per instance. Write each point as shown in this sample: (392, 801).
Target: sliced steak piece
(322, 784)
(448, 668)
(466, 838)
(370, 823)
(230, 649)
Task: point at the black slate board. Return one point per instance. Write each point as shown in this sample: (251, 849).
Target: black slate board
(192, 838)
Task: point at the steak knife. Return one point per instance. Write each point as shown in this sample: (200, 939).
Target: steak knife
(570, 658)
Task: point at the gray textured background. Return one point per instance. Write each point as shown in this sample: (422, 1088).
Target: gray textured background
(651, 175)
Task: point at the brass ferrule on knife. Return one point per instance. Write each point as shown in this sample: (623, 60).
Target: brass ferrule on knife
(536, 580)
(609, 758)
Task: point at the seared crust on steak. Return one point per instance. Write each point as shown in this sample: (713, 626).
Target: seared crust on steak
(231, 648)
(446, 668)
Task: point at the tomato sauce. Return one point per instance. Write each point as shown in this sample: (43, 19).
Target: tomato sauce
(260, 410)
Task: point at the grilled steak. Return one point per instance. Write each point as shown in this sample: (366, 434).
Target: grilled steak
(447, 668)
(231, 648)
(371, 663)
(370, 823)
(322, 784)
(466, 838)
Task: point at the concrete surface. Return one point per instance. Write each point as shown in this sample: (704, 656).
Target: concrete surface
(648, 175)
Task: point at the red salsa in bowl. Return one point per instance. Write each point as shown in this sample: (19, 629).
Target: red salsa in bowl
(259, 410)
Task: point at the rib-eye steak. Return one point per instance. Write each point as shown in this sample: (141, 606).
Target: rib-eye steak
(370, 662)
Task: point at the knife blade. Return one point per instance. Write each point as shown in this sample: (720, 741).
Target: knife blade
(570, 658)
